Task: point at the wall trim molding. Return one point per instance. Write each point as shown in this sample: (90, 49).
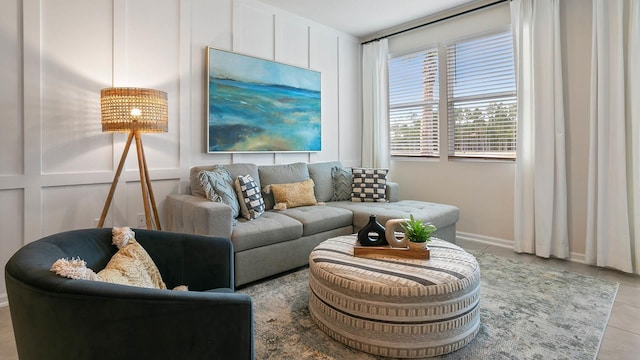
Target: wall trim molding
(489, 240)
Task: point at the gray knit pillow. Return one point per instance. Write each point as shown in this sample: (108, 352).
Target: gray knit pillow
(341, 179)
(218, 186)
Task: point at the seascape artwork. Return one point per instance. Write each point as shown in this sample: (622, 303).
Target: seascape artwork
(259, 105)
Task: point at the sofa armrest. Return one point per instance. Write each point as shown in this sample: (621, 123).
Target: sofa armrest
(392, 191)
(196, 215)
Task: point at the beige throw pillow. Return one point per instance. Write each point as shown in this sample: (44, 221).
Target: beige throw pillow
(131, 265)
(292, 195)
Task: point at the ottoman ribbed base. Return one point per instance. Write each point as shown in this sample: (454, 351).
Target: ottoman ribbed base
(395, 307)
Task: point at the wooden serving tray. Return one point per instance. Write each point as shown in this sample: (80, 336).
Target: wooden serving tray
(379, 251)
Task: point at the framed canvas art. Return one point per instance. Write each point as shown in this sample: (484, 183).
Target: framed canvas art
(257, 105)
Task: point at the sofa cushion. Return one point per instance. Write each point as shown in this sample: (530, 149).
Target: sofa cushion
(287, 196)
(280, 174)
(219, 186)
(244, 169)
(341, 180)
(440, 215)
(317, 219)
(369, 184)
(194, 180)
(249, 197)
(271, 228)
(321, 174)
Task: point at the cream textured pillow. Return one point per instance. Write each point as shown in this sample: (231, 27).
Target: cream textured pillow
(131, 265)
(294, 194)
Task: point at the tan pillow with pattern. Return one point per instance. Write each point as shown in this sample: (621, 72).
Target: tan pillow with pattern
(131, 265)
(294, 194)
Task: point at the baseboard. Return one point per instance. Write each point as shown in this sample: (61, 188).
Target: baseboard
(484, 239)
(4, 301)
(575, 257)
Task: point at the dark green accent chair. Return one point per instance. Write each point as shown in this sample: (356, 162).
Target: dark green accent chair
(59, 318)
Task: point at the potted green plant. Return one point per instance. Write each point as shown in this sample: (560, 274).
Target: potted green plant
(417, 232)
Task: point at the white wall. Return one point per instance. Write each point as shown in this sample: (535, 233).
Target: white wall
(484, 191)
(56, 166)
(575, 24)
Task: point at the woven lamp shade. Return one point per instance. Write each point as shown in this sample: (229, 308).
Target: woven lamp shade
(134, 109)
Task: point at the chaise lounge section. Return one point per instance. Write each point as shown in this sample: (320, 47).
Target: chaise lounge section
(281, 240)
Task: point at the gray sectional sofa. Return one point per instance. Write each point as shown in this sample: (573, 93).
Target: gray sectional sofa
(281, 240)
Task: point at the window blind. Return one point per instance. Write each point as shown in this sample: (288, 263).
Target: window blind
(413, 104)
(481, 99)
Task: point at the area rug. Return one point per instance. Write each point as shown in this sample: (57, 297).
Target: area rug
(527, 311)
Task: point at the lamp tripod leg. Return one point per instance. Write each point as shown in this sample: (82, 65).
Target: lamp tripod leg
(143, 182)
(151, 197)
(107, 204)
(144, 169)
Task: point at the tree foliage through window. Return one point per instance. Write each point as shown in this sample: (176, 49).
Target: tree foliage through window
(481, 109)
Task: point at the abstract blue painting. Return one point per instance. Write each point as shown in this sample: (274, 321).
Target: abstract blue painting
(257, 105)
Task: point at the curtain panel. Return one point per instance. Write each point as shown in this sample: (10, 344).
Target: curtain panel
(375, 105)
(613, 211)
(541, 225)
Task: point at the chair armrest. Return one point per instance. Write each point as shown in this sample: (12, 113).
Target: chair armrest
(392, 191)
(197, 261)
(132, 322)
(196, 215)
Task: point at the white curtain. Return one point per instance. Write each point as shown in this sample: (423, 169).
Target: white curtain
(613, 212)
(375, 108)
(541, 226)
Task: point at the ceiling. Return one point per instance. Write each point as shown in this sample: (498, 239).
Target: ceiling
(364, 17)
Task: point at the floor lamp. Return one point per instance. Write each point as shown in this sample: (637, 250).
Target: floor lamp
(134, 110)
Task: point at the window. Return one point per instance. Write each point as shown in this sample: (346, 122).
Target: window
(481, 99)
(480, 93)
(413, 104)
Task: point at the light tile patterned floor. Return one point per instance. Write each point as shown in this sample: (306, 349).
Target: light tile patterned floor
(622, 337)
(621, 340)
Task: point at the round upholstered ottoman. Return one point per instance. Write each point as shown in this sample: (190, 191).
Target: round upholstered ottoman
(392, 306)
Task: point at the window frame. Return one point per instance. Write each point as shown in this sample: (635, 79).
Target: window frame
(510, 96)
(446, 134)
(424, 144)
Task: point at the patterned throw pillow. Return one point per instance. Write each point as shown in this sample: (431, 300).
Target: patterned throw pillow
(369, 185)
(218, 186)
(342, 180)
(251, 202)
